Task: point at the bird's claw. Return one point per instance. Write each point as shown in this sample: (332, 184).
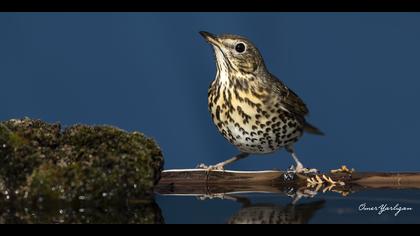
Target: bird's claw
(202, 166)
(308, 171)
(302, 170)
(210, 168)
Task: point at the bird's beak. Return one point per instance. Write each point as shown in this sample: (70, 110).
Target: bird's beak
(211, 38)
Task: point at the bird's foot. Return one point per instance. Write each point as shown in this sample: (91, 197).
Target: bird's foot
(299, 169)
(219, 166)
(202, 166)
(306, 171)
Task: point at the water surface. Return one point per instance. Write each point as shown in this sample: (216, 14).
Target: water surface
(277, 208)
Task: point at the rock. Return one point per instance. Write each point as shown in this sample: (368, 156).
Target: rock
(40, 161)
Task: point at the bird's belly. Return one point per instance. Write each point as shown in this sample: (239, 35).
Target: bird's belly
(261, 140)
(254, 131)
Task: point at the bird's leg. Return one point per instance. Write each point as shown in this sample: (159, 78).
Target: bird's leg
(221, 165)
(299, 168)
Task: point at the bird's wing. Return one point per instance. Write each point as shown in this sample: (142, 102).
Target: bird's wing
(289, 101)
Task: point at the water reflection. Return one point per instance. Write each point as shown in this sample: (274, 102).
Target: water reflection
(81, 213)
(211, 204)
(241, 207)
(263, 213)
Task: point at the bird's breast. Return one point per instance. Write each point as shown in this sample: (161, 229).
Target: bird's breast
(250, 119)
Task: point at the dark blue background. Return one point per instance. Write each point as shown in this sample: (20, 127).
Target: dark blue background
(359, 73)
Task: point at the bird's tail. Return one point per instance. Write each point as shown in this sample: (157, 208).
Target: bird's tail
(312, 129)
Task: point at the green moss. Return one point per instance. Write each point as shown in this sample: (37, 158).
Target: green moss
(40, 161)
(9, 138)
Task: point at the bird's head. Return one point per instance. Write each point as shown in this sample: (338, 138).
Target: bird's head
(235, 53)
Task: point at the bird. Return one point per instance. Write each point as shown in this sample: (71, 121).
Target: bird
(252, 108)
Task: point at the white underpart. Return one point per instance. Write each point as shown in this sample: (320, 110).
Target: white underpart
(222, 72)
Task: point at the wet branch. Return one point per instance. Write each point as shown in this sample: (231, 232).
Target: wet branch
(200, 182)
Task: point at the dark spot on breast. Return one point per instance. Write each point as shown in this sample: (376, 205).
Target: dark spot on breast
(237, 96)
(250, 103)
(266, 114)
(218, 112)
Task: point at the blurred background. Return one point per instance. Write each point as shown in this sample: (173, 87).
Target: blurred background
(359, 74)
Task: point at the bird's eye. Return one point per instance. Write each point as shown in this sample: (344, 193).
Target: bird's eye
(240, 47)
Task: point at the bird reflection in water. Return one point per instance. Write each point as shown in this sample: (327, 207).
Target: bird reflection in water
(274, 214)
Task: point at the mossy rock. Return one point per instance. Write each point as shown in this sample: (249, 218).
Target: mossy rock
(42, 161)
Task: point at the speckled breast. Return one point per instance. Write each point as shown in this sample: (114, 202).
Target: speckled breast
(251, 119)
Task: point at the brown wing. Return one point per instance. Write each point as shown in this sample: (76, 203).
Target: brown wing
(289, 99)
(291, 102)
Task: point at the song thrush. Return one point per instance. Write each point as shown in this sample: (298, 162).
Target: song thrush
(251, 108)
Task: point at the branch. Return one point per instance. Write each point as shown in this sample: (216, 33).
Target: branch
(201, 182)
